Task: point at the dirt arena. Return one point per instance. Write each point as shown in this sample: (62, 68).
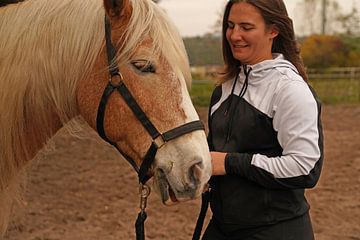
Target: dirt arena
(83, 190)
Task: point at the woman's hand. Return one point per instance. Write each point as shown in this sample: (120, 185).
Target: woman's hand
(218, 163)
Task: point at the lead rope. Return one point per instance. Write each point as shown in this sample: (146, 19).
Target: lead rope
(205, 200)
(144, 191)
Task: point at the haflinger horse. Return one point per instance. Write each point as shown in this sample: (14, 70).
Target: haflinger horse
(54, 67)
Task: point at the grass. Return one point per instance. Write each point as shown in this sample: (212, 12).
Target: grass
(330, 92)
(201, 92)
(339, 91)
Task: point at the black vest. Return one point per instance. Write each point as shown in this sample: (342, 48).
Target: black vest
(237, 202)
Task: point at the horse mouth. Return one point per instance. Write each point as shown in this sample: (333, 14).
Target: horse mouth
(170, 194)
(167, 193)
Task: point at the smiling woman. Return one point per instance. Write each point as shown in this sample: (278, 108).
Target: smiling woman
(265, 132)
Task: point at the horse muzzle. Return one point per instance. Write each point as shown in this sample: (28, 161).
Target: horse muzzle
(174, 188)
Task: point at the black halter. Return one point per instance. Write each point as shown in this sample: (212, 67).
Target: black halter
(159, 139)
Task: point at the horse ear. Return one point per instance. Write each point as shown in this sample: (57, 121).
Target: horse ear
(114, 7)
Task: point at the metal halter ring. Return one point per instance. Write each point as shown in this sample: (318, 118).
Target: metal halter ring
(121, 78)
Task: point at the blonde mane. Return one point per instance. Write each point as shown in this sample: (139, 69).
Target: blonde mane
(46, 46)
(149, 20)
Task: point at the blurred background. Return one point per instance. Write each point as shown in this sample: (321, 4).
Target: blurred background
(327, 30)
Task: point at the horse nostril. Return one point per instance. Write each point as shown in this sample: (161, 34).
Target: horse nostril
(195, 172)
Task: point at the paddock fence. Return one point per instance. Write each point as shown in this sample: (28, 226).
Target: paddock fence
(333, 85)
(350, 73)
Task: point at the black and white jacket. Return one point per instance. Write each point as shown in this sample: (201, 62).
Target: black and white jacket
(268, 121)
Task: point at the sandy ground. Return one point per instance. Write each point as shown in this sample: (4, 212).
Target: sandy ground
(83, 190)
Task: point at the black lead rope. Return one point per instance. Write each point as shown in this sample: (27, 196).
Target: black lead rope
(158, 139)
(140, 221)
(205, 200)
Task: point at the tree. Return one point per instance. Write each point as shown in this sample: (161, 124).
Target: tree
(353, 44)
(351, 22)
(309, 19)
(332, 21)
(323, 51)
(217, 26)
(205, 50)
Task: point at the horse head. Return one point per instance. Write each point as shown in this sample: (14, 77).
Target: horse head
(153, 65)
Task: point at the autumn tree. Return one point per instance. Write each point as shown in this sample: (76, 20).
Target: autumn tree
(323, 51)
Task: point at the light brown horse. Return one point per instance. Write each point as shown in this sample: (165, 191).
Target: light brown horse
(53, 68)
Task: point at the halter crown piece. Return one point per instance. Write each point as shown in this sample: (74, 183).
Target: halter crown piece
(159, 139)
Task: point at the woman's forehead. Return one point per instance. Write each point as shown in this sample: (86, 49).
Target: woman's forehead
(242, 11)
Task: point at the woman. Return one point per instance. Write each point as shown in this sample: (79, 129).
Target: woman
(264, 129)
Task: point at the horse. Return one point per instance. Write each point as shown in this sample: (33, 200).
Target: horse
(54, 67)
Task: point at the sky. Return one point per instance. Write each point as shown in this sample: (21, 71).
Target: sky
(196, 17)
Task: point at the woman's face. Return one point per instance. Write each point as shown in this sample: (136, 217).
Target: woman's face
(247, 34)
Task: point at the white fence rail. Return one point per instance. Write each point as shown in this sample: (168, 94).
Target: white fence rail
(333, 85)
(344, 73)
(350, 73)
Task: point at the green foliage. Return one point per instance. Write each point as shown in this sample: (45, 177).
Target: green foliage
(318, 51)
(324, 51)
(205, 50)
(353, 43)
(330, 92)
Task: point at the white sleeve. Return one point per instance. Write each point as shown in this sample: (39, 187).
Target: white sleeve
(295, 119)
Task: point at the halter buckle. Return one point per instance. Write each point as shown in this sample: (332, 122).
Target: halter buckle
(159, 141)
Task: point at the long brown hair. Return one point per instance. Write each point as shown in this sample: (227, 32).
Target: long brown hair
(274, 13)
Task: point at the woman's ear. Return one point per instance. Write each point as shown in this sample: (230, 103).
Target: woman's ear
(273, 31)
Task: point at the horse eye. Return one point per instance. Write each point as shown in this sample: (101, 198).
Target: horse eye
(144, 66)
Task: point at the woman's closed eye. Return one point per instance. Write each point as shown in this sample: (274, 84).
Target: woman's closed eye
(242, 26)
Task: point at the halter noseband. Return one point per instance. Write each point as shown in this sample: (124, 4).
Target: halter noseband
(158, 139)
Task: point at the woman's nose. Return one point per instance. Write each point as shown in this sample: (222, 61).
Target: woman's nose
(236, 34)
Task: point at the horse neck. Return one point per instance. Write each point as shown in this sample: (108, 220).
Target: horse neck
(38, 132)
(20, 142)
